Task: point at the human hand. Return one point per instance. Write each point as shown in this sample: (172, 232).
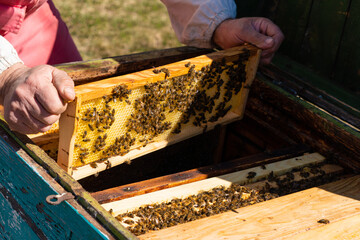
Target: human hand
(34, 98)
(258, 31)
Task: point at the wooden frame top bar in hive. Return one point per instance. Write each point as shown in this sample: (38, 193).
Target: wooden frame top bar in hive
(118, 119)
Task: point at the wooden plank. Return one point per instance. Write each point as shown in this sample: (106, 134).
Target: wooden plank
(177, 179)
(133, 80)
(347, 228)
(226, 180)
(282, 217)
(26, 189)
(337, 91)
(14, 223)
(312, 94)
(347, 71)
(308, 123)
(323, 34)
(69, 123)
(292, 18)
(88, 71)
(67, 182)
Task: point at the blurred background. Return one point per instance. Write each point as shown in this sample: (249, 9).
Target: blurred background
(104, 28)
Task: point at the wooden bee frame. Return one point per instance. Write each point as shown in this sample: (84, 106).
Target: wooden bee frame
(74, 119)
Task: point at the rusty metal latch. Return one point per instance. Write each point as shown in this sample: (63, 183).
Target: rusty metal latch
(57, 199)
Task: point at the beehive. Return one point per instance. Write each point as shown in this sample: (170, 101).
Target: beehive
(117, 119)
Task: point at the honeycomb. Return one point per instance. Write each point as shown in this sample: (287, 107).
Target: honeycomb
(129, 119)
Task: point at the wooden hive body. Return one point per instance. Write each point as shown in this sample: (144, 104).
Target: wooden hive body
(280, 133)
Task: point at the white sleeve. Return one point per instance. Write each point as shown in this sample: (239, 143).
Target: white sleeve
(194, 21)
(8, 55)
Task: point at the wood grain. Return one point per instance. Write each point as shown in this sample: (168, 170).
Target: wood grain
(306, 122)
(68, 123)
(308, 92)
(89, 71)
(280, 218)
(346, 229)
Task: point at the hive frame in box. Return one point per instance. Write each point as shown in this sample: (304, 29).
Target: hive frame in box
(71, 118)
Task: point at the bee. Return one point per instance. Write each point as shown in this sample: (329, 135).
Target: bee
(156, 71)
(86, 140)
(111, 211)
(146, 143)
(108, 164)
(166, 71)
(323, 221)
(84, 134)
(77, 145)
(188, 64)
(91, 127)
(93, 165)
(128, 102)
(251, 175)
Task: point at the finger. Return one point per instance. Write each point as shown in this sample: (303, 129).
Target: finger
(39, 85)
(48, 96)
(251, 35)
(266, 53)
(266, 59)
(34, 124)
(32, 106)
(64, 84)
(13, 120)
(21, 122)
(268, 28)
(37, 111)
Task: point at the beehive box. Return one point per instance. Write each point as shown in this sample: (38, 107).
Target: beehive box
(117, 119)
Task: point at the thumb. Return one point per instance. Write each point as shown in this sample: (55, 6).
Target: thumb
(64, 85)
(258, 39)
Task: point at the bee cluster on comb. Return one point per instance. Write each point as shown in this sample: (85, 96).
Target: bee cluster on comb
(221, 199)
(169, 105)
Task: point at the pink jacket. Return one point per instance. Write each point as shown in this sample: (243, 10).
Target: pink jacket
(37, 32)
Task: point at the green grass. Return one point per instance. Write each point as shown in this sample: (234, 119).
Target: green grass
(104, 28)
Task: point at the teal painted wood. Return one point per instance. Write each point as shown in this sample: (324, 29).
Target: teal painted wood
(10, 220)
(27, 191)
